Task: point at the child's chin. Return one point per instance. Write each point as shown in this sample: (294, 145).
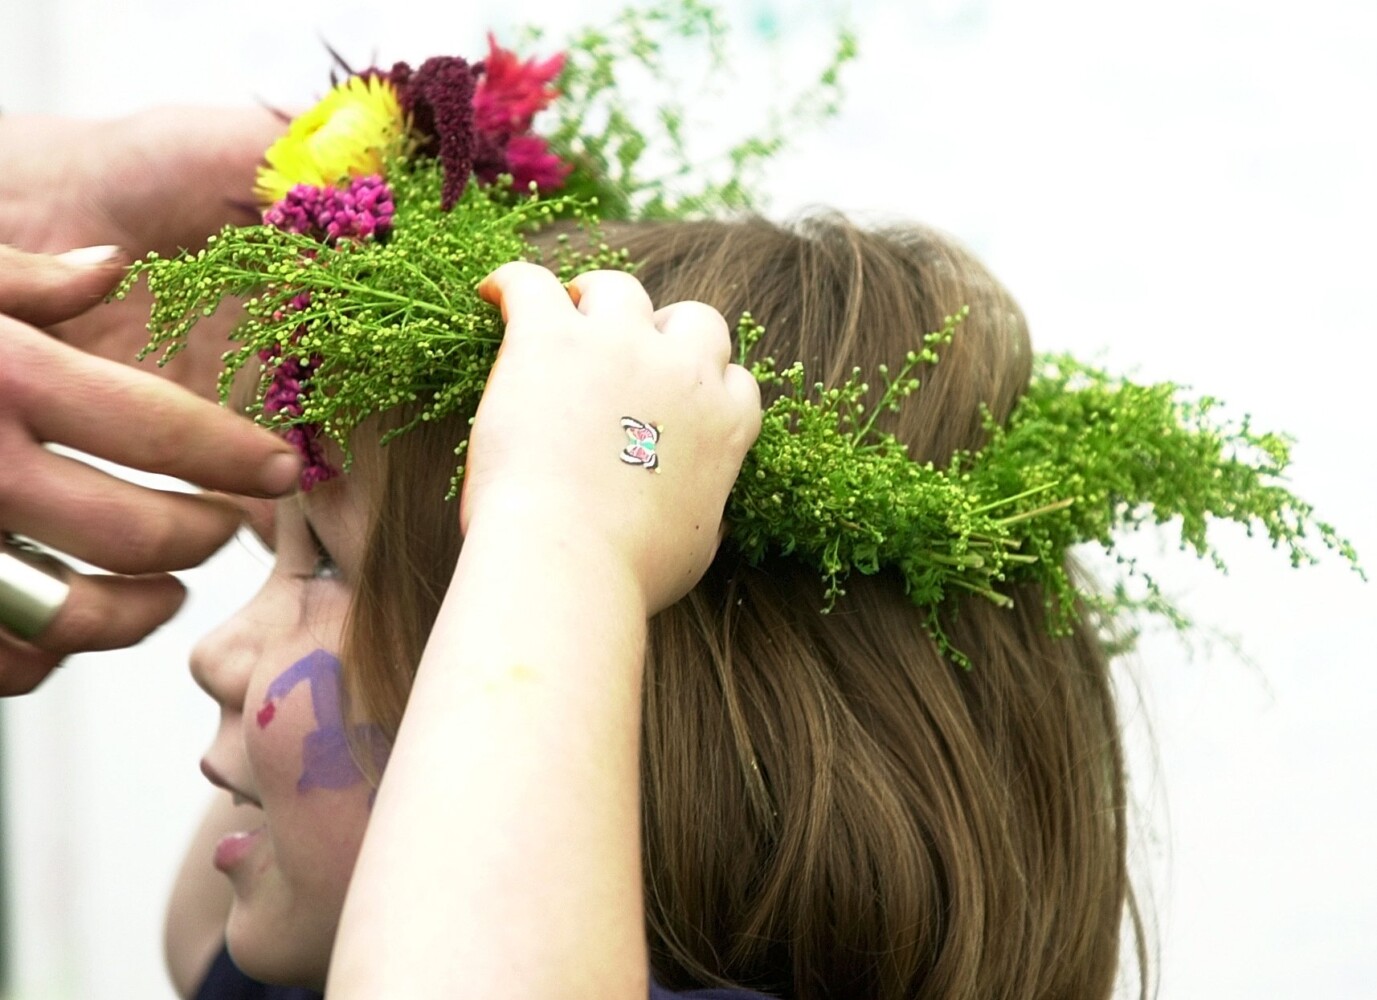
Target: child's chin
(278, 956)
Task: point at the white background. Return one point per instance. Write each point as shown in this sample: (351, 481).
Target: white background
(1184, 189)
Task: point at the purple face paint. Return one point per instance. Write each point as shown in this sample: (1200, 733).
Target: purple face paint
(325, 758)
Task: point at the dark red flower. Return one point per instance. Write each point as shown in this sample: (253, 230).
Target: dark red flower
(439, 98)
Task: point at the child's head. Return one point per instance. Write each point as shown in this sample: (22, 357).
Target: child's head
(830, 806)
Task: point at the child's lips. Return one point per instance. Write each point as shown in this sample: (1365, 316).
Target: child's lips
(235, 847)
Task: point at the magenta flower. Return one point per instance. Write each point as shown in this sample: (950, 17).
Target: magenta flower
(285, 388)
(364, 209)
(306, 439)
(296, 213)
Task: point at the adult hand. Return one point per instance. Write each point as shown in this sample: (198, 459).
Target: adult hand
(159, 180)
(549, 428)
(52, 392)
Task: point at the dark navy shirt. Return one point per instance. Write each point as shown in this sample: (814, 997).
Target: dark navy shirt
(226, 982)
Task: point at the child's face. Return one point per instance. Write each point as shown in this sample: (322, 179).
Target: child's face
(281, 744)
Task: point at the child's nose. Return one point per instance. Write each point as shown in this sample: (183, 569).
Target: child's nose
(222, 663)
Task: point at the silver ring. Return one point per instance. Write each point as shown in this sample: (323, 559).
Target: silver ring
(33, 587)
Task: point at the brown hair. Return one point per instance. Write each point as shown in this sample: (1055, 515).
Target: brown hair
(831, 808)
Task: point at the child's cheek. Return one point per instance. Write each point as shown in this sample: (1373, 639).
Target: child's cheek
(298, 726)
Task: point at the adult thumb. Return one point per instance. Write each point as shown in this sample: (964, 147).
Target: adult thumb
(43, 289)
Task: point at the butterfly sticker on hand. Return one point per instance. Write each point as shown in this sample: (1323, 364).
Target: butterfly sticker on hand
(640, 449)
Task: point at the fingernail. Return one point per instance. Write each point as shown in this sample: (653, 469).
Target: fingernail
(281, 474)
(89, 256)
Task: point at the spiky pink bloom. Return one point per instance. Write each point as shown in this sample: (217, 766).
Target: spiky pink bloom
(511, 92)
(529, 159)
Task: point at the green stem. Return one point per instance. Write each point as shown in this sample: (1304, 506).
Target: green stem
(1003, 600)
(333, 282)
(884, 401)
(959, 562)
(1048, 509)
(1005, 501)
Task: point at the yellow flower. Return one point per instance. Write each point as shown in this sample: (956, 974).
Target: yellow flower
(344, 136)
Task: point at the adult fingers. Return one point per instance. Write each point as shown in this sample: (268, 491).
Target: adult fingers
(604, 293)
(101, 612)
(22, 667)
(110, 612)
(111, 523)
(42, 289)
(134, 418)
(699, 326)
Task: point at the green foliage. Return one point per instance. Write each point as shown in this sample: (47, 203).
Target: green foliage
(821, 483)
(1124, 454)
(390, 323)
(603, 131)
(1083, 457)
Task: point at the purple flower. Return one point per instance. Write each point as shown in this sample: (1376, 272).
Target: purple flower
(284, 393)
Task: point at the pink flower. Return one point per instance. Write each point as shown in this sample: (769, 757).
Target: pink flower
(284, 396)
(510, 91)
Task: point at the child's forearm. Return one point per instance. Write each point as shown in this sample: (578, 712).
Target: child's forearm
(503, 856)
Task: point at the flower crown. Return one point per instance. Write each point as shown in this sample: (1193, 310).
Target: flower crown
(387, 202)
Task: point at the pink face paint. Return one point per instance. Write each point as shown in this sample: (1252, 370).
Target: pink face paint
(326, 761)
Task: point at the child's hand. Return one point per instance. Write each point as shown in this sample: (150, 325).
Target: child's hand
(551, 440)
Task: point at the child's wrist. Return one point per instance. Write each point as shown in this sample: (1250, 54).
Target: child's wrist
(530, 532)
